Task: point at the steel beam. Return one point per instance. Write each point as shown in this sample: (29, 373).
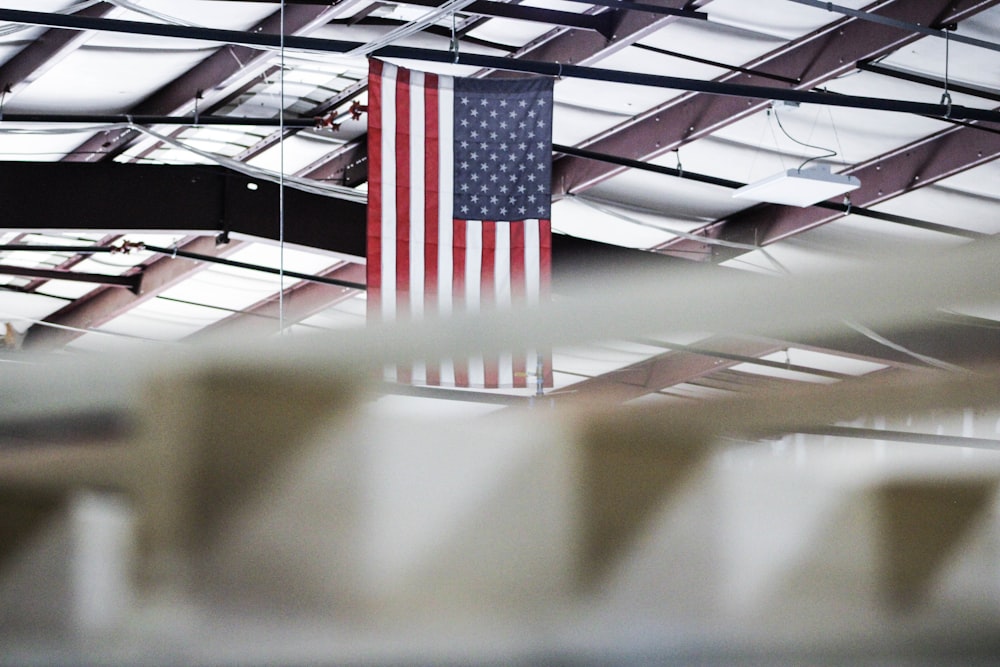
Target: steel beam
(106, 303)
(575, 47)
(734, 90)
(812, 60)
(40, 54)
(142, 119)
(348, 165)
(131, 281)
(897, 172)
(930, 81)
(207, 200)
(600, 23)
(179, 95)
(666, 370)
(198, 199)
(298, 302)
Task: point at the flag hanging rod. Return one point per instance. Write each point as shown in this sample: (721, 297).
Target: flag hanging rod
(265, 40)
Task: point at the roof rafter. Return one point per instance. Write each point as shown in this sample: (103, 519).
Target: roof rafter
(211, 74)
(106, 303)
(206, 78)
(44, 51)
(301, 300)
(666, 370)
(811, 60)
(897, 172)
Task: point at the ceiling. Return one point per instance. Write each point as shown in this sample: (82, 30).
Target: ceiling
(643, 172)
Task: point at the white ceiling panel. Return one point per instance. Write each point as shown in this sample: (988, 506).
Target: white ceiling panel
(102, 81)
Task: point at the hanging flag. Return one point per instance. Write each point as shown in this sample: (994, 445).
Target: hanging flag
(458, 208)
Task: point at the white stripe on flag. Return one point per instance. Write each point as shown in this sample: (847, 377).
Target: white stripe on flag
(473, 272)
(532, 262)
(502, 296)
(446, 189)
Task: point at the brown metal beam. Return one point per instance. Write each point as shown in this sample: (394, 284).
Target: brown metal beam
(811, 60)
(208, 75)
(348, 165)
(298, 302)
(322, 109)
(666, 370)
(897, 172)
(106, 303)
(41, 53)
(575, 47)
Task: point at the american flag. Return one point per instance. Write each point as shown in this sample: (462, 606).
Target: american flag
(458, 208)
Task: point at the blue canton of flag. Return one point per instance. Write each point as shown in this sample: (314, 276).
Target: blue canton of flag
(503, 149)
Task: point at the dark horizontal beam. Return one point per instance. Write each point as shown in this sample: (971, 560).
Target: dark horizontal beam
(939, 31)
(171, 252)
(600, 23)
(811, 60)
(206, 200)
(483, 7)
(494, 62)
(132, 282)
(205, 81)
(733, 185)
(714, 63)
(197, 199)
(911, 167)
(325, 280)
(141, 119)
(933, 82)
(647, 7)
(105, 303)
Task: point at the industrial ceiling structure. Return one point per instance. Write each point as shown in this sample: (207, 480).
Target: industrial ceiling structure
(772, 431)
(144, 144)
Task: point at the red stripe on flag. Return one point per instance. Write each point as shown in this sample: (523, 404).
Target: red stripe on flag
(432, 191)
(487, 297)
(374, 250)
(518, 295)
(458, 293)
(404, 373)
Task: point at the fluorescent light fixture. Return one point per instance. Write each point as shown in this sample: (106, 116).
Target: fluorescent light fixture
(799, 187)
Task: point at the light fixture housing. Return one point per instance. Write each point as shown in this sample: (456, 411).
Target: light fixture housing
(799, 187)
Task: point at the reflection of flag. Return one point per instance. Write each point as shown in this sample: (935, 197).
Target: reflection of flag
(458, 207)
